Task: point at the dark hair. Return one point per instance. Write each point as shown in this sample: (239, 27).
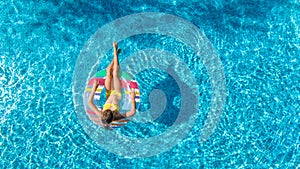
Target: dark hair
(108, 116)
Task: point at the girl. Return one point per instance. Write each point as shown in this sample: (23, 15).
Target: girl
(111, 108)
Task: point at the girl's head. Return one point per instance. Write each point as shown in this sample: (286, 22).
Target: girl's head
(108, 116)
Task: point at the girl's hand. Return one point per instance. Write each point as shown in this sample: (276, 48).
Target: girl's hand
(132, 94)
(95, 84)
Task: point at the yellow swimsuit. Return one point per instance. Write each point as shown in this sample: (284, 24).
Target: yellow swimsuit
(113, 92)
(109, 105)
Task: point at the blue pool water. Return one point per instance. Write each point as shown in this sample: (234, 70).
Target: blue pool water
(258, 44)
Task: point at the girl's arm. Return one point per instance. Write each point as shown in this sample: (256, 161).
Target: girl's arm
(94, 108)
(91, 97)
(133, 105)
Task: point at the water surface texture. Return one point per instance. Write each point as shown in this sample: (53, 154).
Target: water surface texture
(258, 43)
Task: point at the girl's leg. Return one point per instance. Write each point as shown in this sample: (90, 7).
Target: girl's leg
(116, 71)
(116, 80)
(108, 81)
(109, 85)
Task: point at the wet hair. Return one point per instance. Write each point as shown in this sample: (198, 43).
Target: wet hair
(108, 116)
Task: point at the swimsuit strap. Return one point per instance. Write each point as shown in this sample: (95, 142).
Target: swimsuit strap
(114, 92)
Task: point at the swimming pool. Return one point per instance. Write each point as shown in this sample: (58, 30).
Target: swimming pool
(257, 43)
